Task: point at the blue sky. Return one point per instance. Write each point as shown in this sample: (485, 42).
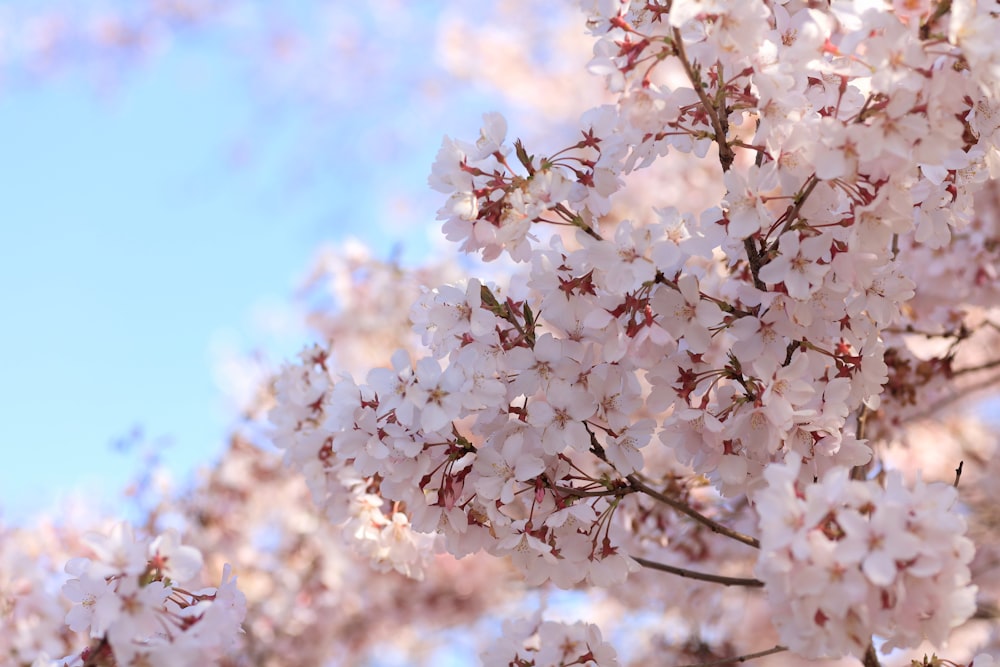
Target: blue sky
(129, 241)
(144, 222)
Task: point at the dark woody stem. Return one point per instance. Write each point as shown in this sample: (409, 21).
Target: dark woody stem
(871, 657)
(700, 576)
(683, 508)
(740, 658)
(719, 120)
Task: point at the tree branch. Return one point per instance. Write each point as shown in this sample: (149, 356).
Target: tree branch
(700, 576)
(726, 154)
(792, 214)
(972, 369)
(683, 508)
(740, 658)
(753, 257)
(871, 657)
(985, 611)
(584, 493)
(958, 395)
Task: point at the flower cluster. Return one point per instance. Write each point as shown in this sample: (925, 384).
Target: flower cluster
(531, 642)
(130, 598)
(670, 369)
(767, 327)
(842, 559)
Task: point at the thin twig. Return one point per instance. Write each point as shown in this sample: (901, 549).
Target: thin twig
(700, 576)
(683, 508)
(973, 369)
(792, 214)
(959, 395)
(740, 658)
(596, 493)
(860, 472)
(958, 473)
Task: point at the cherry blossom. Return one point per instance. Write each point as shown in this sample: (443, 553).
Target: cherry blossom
(665, 397)
(137, 612)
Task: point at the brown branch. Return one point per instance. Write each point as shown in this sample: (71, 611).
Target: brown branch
(943, 7)
(871, 657)
(753, 256)
(986, 611)
(792, 214)
(740, 658)
(577, 221)
(860, 472)
(726, 154)
(959, 395)
(98, 654)
(700, 576)
(684, 508)
(973, 369)
(584, 493)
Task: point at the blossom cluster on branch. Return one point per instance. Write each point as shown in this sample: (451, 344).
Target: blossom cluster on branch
(862, 559)
(131, 598)
(708, 399)
(766, 332)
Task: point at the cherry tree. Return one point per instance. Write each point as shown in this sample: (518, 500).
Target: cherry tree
(718, 377)
(746, 363)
